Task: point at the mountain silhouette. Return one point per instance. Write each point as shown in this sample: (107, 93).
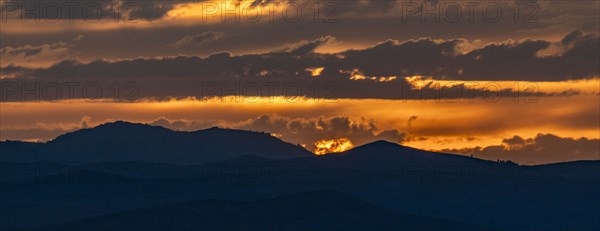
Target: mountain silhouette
(384, 154)
(313, 210)
(123, 141)
(386, 157)
(140, 176)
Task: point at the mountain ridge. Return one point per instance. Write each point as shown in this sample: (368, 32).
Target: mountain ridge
(384, 174)
(124, 141)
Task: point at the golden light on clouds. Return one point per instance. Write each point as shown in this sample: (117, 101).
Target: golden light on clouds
(183, 14)
(227, 11)
(384, 79)
(357, 75)
(437, 124)
(332, 146)
(315, 71)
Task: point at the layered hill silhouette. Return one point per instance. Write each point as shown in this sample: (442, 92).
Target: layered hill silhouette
(143, 151)
(386, 155)
(123, 141)
(313, 210)
(139, 176)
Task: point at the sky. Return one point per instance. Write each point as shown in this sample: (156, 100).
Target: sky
(507, 80)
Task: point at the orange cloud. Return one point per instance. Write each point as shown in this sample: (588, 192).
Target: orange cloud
(332, 146)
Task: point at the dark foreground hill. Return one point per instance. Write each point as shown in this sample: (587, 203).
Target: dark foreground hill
(314, 210)
(123, 141)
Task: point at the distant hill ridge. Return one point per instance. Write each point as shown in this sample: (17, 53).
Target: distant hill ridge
(125, 176)
(124, 141)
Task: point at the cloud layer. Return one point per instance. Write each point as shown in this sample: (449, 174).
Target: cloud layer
(543, 148)
(379, 71)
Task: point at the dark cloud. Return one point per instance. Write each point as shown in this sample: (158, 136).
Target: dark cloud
(153, 10)
(411, 120)
(544, 148)
(307, 47)
(25, 51)
(374, 72)
(150, 10)
(90, 10)
(48, 52)
(509, 60)
(359, 23)
(199, 39)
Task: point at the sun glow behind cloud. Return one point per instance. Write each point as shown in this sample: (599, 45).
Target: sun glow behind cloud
(332, 146)
(315, 71)
(227, 11)
(438, 125)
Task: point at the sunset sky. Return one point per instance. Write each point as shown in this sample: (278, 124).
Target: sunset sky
(510, 80)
